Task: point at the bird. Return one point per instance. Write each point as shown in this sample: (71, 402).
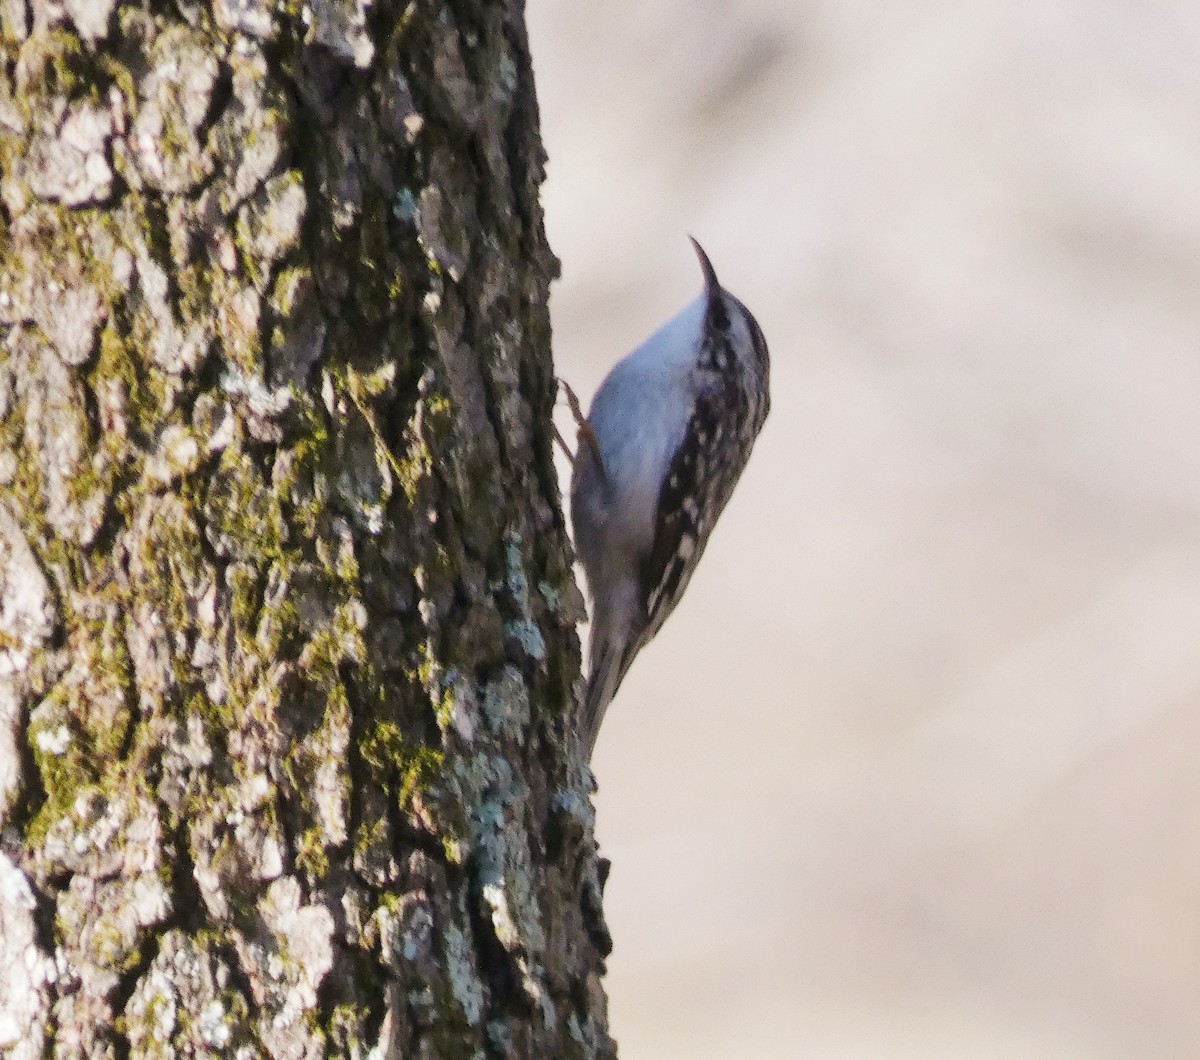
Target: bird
(666, 439)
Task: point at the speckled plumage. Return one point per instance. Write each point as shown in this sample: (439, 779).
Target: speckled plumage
(674, 424)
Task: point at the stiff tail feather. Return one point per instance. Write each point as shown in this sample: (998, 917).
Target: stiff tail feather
(609, 663)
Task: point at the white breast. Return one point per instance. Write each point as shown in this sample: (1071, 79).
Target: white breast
(640, 415)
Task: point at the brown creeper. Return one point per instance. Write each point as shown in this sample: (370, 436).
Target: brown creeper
(671, 429)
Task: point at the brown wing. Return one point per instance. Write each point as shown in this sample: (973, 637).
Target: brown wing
(689, 504)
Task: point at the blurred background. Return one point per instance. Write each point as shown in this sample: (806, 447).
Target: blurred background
(912, 772)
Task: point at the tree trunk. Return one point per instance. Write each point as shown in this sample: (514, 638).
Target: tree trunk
(287, 648)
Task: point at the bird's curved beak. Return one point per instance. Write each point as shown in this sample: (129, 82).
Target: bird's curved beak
(711, 284)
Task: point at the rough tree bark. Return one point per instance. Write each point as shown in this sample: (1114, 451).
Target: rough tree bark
(287, 648)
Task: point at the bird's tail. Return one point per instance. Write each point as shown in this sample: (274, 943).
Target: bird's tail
(609, 658)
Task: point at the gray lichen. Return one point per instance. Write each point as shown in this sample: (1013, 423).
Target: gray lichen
(24, 997)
